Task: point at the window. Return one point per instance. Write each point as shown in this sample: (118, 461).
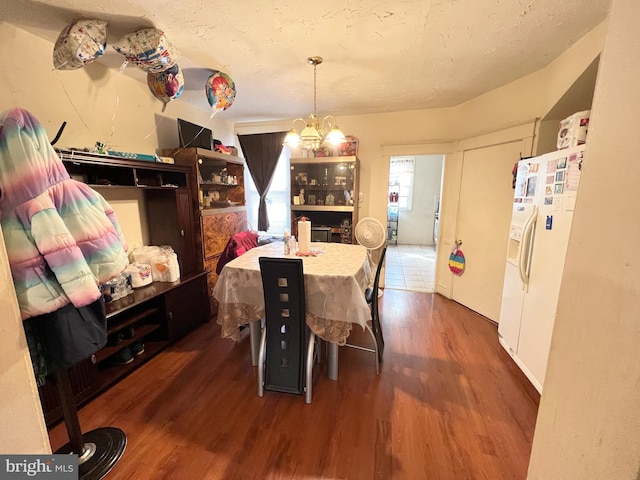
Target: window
(278, 204)
(401, 172)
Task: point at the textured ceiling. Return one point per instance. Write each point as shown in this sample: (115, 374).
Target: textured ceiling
(379, 55)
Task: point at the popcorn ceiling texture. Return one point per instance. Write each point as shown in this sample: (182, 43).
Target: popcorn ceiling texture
(379, 56)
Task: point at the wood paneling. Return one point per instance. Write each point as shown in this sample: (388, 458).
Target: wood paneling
(218, 229)
(449, 403)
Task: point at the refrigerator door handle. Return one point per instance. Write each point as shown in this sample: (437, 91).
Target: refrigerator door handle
(526, 248)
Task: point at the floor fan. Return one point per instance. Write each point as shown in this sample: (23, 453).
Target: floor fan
(372, 235)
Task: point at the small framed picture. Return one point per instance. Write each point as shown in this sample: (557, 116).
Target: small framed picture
(559, 187)
(560, 176)
(312, 199)
(302, 178)
(296, 200)
(562, 162)
(312, 181)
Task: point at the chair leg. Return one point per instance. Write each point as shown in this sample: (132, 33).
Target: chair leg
(254, 338)
(375, 346)
(262, 353)
(309, 368)
(377, 330)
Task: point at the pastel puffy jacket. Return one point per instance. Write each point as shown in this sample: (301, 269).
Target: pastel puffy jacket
(62, 237)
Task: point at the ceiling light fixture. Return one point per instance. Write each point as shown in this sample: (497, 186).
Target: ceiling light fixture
(314, 134)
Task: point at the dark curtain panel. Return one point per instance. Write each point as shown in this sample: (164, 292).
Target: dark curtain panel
(262, 151)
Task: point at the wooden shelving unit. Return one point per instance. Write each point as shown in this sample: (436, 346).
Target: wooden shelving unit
(217, 181)
(325, 190)
(157, 314)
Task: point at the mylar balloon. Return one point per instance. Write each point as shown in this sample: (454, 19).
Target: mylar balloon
(167, 85)
(220, 90)
(148, 49)
(79, 43)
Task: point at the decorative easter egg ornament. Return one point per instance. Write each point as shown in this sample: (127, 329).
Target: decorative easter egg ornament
(148, 49)
(167, 85)
(220, 91)
(456, 260)
(80, 42)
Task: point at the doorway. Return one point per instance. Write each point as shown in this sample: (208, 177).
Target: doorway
(413, 208)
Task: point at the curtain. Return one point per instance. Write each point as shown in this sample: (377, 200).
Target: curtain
(261, 152)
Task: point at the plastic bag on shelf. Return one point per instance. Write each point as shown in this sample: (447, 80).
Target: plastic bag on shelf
(163, 261)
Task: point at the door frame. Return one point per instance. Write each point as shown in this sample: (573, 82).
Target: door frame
(440, 148)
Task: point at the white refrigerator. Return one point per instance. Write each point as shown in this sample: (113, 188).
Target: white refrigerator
(544, 200)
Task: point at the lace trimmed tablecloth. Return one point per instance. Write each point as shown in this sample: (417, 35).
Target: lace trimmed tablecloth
(335, 281)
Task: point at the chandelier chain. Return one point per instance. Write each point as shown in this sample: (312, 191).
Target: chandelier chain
(315, 132)
(314, 88)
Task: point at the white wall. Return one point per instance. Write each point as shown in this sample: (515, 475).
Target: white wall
(415, 226)
(22, 428)
(589, 417)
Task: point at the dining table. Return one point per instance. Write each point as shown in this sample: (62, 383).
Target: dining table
(335, 277)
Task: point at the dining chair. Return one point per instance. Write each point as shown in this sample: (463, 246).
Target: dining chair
(373, 326)
(287, 345)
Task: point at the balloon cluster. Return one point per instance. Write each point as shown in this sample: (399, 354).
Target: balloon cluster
(83, 41)
(150, 50)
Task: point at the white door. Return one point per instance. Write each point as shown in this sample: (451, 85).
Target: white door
(484, 215)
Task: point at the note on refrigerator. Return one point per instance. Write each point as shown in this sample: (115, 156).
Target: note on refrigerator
(572, 177)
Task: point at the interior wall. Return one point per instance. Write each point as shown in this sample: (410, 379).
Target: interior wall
(589, 415)
(131, 212)
(415, 226)
(19, 400)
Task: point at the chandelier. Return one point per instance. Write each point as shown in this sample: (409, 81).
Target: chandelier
(314, 133)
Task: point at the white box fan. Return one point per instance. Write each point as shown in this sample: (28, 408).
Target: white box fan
(370, 233)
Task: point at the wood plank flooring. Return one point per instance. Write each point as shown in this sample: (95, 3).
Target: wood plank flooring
(448, 404)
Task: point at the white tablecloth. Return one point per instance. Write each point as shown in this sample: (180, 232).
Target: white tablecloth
(335, 281)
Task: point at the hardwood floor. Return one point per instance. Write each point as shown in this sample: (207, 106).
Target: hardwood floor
(448, 404)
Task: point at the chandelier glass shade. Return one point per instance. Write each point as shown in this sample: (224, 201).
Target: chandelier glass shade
(313, 133)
